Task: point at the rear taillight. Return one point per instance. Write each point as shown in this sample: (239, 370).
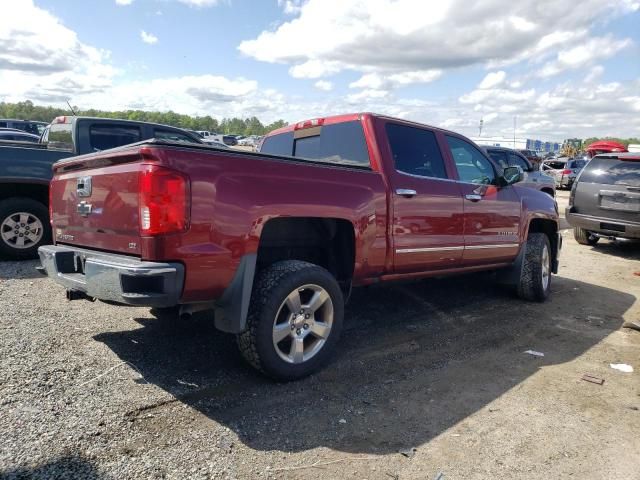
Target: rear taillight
(572, 195)
(164, 200)
(567, 172)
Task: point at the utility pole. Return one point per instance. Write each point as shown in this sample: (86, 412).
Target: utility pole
(480, 127)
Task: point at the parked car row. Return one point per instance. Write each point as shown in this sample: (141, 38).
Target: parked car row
(218, 138)
(532, 177)
(563, 170)
(29, 126)
(15, 135)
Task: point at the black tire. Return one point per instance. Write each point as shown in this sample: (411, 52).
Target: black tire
(13, 206)
(531, 285)
(584, 237)
(272, 286)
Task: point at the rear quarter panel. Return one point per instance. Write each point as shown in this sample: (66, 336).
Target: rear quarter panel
(235, 195)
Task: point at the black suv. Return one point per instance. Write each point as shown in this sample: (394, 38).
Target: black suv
(605, 199)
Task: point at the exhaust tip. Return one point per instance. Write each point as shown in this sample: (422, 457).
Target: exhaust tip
(76, 295)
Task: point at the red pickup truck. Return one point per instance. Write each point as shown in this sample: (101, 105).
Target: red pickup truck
(274, 240)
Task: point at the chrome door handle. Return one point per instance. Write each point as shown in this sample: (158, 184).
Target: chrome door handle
(406, 192)
(474, 197)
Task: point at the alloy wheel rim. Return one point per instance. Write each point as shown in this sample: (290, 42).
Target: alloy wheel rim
(21, 230)
(546, 267)
(303, 324)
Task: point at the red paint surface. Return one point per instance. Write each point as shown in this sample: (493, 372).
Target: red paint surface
(234, 194)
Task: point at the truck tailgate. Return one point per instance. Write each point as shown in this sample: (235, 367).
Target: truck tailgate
(95, 205)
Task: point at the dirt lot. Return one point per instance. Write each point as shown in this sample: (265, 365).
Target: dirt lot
(92, 390)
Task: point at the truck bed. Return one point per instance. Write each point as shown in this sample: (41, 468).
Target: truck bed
(233, 194)
(31, 162)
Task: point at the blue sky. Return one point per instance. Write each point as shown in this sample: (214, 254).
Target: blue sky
(561, 70)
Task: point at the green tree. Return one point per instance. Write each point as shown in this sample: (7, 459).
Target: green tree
(242, 126)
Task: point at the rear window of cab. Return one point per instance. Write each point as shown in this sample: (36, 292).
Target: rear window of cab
(339, 143)
(612, 171)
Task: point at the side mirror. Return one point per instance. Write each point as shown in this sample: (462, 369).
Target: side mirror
(512, 175)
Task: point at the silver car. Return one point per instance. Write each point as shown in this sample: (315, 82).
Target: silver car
(563, 170)
(507, 157)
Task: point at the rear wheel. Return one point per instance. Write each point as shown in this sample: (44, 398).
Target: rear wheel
(294, 321)
(584, 237)
(535, 277)
(24, 226)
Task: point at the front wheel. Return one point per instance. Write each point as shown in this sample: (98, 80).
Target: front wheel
(294, 320)
(535, 277)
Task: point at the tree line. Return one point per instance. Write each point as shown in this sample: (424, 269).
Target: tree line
(241, 126)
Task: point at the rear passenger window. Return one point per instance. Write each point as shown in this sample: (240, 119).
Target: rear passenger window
(415, 151)
(281, 144)
(341, 143)
(103, 137)
(337, 143)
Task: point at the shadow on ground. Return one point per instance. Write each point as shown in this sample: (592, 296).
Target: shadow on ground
(18, 269)
(627, 249)
(415, 360)
(66, 467)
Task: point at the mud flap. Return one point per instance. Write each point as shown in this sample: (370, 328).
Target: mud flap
(232, 308)
(511, 275)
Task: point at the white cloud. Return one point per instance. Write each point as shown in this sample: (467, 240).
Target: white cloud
(323, 85)
(367, 96)
(314, 69)
(563, 111)
(505, 95)
(395, 80)
(290, 7)
(42, 59)
(395, 36)
(490, 117)
(585, 54)
(595, 73)
(200, 3)
(493, 79)
(149, 38)
(124, 2)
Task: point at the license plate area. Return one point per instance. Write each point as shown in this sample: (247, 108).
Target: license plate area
(620, 201)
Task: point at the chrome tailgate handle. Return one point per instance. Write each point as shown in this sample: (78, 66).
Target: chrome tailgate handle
(473, 197)
(406, 192)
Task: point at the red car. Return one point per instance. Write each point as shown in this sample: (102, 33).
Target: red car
(275, 240)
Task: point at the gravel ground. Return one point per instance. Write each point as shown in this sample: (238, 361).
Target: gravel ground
(435, 369)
